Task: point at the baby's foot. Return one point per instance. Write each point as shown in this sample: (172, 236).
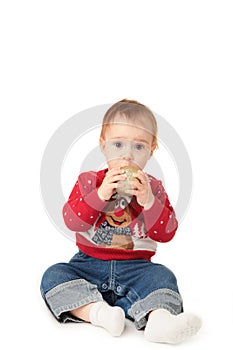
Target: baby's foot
(163, 327)
(108, 317)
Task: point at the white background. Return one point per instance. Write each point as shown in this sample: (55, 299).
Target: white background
(61, 57)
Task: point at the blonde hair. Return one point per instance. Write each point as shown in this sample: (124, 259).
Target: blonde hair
(134, 113)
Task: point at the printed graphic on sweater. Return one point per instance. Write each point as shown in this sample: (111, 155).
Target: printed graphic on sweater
(115, 232)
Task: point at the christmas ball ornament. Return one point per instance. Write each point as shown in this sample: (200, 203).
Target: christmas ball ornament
(125, 185)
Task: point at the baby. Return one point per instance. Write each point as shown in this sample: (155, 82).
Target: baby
(119, 214)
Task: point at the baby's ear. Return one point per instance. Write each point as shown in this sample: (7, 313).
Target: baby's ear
(154, 147)
(102, 144)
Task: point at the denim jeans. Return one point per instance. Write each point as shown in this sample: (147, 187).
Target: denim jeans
(137, 286)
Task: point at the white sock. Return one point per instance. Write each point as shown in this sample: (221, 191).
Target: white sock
(163, 327)
(112, 318)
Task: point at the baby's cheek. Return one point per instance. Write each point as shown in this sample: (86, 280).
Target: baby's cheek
(141, 159)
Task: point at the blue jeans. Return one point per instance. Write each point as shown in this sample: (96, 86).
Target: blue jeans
(137, 286)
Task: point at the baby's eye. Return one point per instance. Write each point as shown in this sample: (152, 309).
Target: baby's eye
(118, 144)
(139, 146)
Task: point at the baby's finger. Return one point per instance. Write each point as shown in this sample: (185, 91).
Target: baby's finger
(114, 171)
(116, 178)
(135, 185)
(141, 176)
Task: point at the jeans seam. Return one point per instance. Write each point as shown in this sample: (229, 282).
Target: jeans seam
(62, 286)
(112, 275)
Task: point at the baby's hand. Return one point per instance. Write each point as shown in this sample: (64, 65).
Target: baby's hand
(109, 184)
(142, 190)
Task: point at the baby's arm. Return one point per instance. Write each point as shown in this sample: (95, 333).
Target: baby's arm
(160, 219)
(84, 205)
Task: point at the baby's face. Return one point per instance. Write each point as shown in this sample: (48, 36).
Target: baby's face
(126, 145)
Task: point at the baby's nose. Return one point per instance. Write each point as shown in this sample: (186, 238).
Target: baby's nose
(128, 153)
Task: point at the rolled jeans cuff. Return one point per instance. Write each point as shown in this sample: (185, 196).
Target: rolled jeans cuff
(69, 296)
(159, 299)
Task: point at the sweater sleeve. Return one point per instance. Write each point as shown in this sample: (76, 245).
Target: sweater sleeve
(160, 220)
(84, 205)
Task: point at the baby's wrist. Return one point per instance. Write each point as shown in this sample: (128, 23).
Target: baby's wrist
(100, 196)
(150, 203)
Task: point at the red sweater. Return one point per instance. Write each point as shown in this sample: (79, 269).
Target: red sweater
(120, 228)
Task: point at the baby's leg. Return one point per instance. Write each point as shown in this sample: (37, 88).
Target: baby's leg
(101, 314)
(163, 327)
(82, 312)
